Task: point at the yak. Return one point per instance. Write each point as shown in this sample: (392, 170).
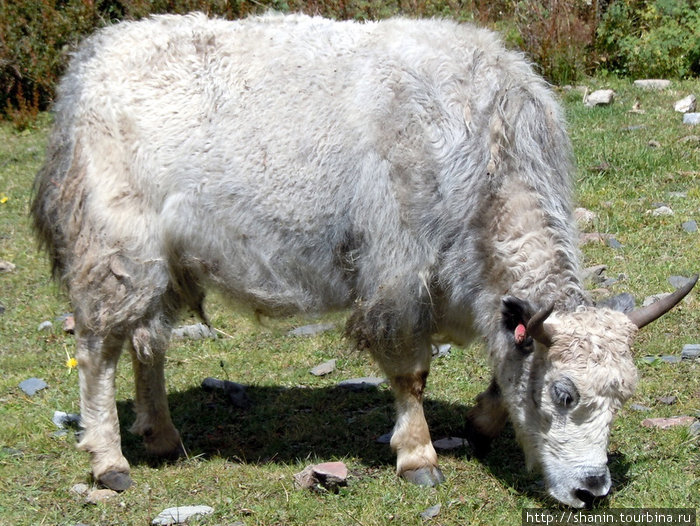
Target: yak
(414, 171)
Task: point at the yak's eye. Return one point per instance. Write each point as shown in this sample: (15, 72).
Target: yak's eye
(564, 393)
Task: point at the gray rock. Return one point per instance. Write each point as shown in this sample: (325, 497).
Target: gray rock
(661, 211)
(667, 400)
(311, 330)
(79, 489)
(66, 420)
(669, 358)
(622, 302)
(652, 84)
(440, 351)
(678, 281)
(361, 384)
(431, 512)
(654, 298)
(32, 385)
(449, 443)
(685, 105)
(6, 266)
(601, 97)
(324, 368)
(593, 237)
(690, 226)
(614, 243)
(639, 407)
(691, 351)
(385, 438)
(197, 331)
(691, 118)
(236, 392)
(180, 514)
(694, 428)
(44, 326)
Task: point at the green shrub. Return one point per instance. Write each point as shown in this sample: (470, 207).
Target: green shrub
(659, 38)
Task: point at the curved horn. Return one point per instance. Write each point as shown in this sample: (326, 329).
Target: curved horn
(535, 327)
(645, 315)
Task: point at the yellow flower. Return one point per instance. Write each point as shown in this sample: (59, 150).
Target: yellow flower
(3, 199)
(71, 363)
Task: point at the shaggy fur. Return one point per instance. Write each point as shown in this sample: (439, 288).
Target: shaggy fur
(414, 170)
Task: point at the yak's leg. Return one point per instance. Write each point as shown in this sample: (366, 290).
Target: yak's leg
(97, 362)
(153, 423)
(486, 419)
(416, 457)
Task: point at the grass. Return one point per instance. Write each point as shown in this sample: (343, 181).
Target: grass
(241, 462)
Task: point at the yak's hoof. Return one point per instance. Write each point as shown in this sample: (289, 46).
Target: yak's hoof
(425, 476)
(116, 480)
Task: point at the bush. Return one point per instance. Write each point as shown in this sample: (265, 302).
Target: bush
(656, 38)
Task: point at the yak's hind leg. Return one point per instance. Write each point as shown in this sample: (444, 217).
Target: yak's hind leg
(97, 362)
(148, 345)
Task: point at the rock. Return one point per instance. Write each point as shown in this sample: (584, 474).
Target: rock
(385, 438)
(690, 226)
(685, 105)
(667, 423)
(614, 243)
(328, 476)
(440, 351)
(593, 237)
(32, 385)
(584, 218)
(639, 407)
(678, 281)
(44, 326)
(431, 512)
(6, 266)
(181, 514)
(669, 358)
(69, 325)
(691, 351)
(691, 118)
(449, 443)
(235, 392)
(311, 330)
(601, 97)
(652, 84)
(99, 495)
(637, 108)
(661, 211)
(79, 489)
(197, 331)
(324, 368)
(694, 428)
(654, 298)
(66, 420)
(622, 302)
(361, 384)
(667, 400)
(654, 144)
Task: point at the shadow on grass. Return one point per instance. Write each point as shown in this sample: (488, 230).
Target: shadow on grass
(283, 424)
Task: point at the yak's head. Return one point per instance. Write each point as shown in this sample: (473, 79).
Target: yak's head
(568, 374)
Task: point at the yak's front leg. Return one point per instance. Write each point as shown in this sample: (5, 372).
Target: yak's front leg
(97, 365)
(416, 457)
(486, 419)
(153, 422)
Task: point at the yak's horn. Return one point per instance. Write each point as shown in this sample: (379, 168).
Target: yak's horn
(645, 315)
(536, 329)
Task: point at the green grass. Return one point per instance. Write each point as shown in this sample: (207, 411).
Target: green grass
(241, 462)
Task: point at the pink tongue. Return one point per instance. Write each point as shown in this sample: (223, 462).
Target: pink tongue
(520, 334)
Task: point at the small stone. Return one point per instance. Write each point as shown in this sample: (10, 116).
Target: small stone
(79, 489)
(235, 392)
(654, 298)
(431, 512)
(197, 331)
(361, 384)
(329, 476)
(678, 281)
(584, 218)
(181, 514)
(669, 358)
(685, 105)
(44, 326)
(667, 400)
(601, 97)
(66, 420)
(6, 266)
(385, 438)
(440, 351)
(449, 443)
(690, 226)
(652, 84)
(311, 330)
(695, 428)
(324, 368)
(639, 407)
(614, 243)
(32, 385)
(667, 423)
(691, 118)
(691, 351)
(593, 237)
(100, 495)
(661, 211)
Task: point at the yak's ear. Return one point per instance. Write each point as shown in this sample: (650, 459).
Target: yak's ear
(515, 315)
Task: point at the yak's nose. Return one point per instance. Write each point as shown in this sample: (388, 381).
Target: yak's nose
(594, 485)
